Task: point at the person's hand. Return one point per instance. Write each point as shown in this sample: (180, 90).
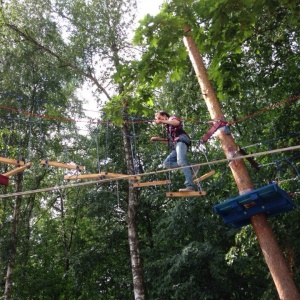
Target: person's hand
(154, 139)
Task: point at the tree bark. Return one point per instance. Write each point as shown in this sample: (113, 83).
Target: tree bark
(133, 239)
(14, 239)
(283, 280)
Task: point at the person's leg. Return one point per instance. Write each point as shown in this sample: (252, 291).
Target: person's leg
(171, 160)
(181, 150)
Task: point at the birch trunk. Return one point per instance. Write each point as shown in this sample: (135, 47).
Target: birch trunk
(133, 239)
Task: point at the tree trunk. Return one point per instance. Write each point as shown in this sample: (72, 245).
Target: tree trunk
(283, 280)
(14, 238)
(136, 261)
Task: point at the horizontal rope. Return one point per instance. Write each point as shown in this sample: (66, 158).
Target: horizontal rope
(63, 187)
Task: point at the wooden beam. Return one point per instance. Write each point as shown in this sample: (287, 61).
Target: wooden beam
(17, 170)
(83, 176)
(61, 165)
(117, 175)
(150, 183)
(186, 194)
(212, 172)
(11, 161)
(101, 175)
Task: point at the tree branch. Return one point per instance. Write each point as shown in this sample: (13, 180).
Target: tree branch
(62, 60)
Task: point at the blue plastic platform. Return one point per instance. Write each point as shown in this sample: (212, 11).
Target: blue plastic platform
(270, 200)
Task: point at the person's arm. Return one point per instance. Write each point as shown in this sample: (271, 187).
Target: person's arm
(159, 139)
(169, 122)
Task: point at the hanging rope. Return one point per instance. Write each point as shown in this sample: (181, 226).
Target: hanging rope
(29, 141)
(19, 129)
(167, 174)
(150, 173)
(41, 131)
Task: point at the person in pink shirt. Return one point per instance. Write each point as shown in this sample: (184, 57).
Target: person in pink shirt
(179, 142)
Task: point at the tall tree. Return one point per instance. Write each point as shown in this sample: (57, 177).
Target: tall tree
(106, 23)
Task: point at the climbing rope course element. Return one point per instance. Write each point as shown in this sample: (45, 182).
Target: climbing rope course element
(114, 176)
(211, 122)
(109, 176)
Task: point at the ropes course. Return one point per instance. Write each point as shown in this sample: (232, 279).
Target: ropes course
(102, 177)
(64, 119)
(124, 177)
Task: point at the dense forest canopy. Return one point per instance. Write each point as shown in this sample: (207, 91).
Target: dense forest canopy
(74, 243)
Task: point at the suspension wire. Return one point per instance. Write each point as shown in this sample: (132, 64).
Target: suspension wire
(52, 189)
(41, 130)
(65, 152)
(167, 174)
(19, 128)
(106, 145)
(133, 146)
(132, 154)
(272, 140)
(29, 142)
(97, 148)
(118, 195)
(6, 145)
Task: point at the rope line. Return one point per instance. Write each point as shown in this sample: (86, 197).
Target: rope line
(265, 109)
(56, 188)
(146, 120)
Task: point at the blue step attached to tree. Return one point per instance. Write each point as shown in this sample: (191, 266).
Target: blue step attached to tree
(270, 200)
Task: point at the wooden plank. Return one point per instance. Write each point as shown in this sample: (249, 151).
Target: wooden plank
(150, 183)
(186, 194)
(61, 165)
(83, 176)
(11, 161)
(118, 175)
(101, 175)
(17, 170)
(212, 172)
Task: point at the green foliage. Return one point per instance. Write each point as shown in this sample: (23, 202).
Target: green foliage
(73, 244)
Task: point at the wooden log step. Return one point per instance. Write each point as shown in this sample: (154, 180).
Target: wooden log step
(61, 165)
(83, 176)
(117, 175)
(101, 175)
(10, 161)
(186, 194)
(212, 172)
(17, 170)
(151, 183)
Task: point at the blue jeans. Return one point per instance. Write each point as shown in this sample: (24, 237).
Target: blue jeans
(177, 158)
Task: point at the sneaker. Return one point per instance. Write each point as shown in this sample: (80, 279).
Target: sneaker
(187, 189)
(195, 170)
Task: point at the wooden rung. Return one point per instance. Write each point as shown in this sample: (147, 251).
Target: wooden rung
(17, 170)
(61, 165)
(11, 161)
(117, 175)
(212, 172)
(83, 176)
(186, 194)
(150, 183)
(100, 175)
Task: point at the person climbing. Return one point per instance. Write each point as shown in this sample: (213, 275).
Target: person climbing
(179, 142)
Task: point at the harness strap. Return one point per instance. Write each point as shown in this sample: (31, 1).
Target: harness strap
(213, 129)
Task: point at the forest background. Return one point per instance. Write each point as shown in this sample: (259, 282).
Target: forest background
(110, 240)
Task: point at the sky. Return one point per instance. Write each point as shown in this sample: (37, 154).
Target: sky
(144, 7)
(148, 7)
